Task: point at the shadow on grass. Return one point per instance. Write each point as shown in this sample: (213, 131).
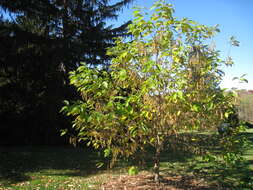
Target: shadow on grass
(17, 162)
(187, 164)
(186, 182)
(238, 176)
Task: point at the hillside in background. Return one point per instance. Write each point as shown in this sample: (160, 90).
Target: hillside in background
(246, 105)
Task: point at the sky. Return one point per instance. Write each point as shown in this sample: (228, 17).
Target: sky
(235, 18)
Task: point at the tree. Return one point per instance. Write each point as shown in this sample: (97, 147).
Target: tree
(40, 42)
(161, 82)
(80, 24)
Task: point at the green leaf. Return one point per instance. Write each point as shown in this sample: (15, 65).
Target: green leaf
(66, 102)
(123, 74)
(133, 170)
(180, 94)
(124, 54)
(196, 108)
(99, 164)
(64, 132)
(107, 152)
(234, 42)
(235, 78)
(64, 109)
(105, 84)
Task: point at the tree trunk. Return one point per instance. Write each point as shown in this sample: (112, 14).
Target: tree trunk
(157, 164)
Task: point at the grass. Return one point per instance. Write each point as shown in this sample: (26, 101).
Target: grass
(61, 168)
(239, 176)
(48, 168)
(249, 152)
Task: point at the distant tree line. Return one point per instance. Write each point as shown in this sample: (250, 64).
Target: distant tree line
(41, 41)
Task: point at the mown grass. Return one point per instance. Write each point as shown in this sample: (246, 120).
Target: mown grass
(49, 168)
(43, 168)
(249, 152)
(220, 176)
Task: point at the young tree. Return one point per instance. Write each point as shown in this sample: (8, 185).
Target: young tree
(162, 81)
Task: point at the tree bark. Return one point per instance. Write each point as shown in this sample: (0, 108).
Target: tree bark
(157, 165)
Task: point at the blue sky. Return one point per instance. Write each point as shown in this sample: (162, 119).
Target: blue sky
(235, 18)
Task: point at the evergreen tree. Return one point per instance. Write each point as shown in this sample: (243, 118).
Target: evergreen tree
(40, 42)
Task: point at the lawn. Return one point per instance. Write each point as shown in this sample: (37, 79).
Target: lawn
(49, 167)
(249, 152)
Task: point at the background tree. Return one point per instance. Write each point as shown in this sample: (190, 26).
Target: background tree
(161, 82)
(40, 42)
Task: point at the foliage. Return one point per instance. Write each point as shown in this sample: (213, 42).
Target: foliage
(41, 41)
(133, 170)
(78, 27)
(162, 82)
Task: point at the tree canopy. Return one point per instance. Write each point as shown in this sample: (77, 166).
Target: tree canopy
(41, 41)
(163, 81)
